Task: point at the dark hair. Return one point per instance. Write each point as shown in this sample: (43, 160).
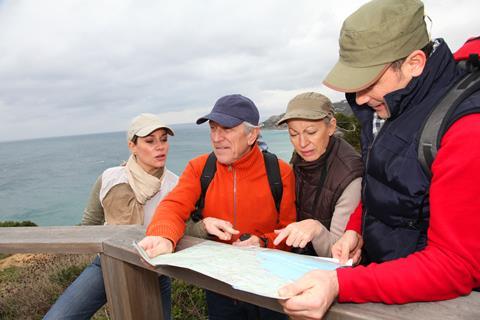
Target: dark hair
(397, 64)
(134, 139)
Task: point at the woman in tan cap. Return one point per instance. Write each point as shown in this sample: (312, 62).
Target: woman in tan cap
(327, 176)
(125, 194)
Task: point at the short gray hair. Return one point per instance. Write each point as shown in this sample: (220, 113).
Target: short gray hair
(249, 127)
(327, 119)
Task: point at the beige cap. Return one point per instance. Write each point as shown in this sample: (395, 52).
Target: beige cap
(144, 124)
(374, 36)
(309, 106)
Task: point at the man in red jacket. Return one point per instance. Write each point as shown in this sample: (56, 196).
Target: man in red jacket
(417, 233)
(238, 200)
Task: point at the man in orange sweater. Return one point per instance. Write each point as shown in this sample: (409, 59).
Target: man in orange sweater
(238, 200)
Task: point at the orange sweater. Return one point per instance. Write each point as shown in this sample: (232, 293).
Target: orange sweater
(238, 193)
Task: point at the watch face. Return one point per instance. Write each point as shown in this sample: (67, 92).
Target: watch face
(245, 236)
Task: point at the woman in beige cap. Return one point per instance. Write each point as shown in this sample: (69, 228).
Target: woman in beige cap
(125, 194)
(327, 176)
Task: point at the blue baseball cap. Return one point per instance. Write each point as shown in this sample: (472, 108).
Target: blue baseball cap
(230, 111)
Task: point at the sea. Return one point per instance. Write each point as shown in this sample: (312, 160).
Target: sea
(48, 181)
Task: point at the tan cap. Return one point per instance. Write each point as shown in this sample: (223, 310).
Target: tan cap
(377, 34)
(144, 124)
(309, 106)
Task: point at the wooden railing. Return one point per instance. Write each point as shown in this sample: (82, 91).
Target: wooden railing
(133, 292)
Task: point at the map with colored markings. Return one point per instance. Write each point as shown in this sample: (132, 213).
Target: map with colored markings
(257, 270)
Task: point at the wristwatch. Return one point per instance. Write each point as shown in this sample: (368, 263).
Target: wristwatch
(263, 242)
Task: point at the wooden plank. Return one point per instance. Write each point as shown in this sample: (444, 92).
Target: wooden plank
(73, 239)
(116, 242)
(467, 307)
(132, 292)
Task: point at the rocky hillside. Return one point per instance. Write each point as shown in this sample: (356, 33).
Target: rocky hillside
(343, 107)
(271, 123)
(340, 107)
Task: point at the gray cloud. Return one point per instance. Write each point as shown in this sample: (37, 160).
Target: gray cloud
(81, 66)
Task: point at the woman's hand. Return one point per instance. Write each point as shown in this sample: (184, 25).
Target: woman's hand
(222, 229)
(155, 246)
(349, 246)
(298, 234)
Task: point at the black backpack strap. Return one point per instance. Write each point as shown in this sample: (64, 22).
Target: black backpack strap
(274, 178)
(436, 123)
(208, 173)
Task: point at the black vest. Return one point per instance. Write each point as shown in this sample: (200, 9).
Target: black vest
(395, 191)
(320, 183)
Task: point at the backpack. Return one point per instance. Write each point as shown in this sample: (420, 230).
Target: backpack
(435, 125)
(208, 172)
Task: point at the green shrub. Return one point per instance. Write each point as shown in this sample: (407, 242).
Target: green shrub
(17, 224)
(7, 313)
(66, 275)
(9, 274)
(188, 301)
(350, 128)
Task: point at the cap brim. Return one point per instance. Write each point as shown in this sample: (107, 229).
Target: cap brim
(147, 130)
(345, 78)
(282, 120)
(301, 116)
(222, 119)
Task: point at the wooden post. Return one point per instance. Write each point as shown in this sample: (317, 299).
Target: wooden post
(132, 292)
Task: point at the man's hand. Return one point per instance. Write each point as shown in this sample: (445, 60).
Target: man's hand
(311, 295)
(349, 246)
(251, 241)
(155, 246)
(298, 234)
(222, 229)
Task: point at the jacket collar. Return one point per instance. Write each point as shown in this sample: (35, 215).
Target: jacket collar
(248, 160)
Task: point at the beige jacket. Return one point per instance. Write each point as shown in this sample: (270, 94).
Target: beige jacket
(112, 200)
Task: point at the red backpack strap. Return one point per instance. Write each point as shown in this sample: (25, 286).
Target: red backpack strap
(469, 51)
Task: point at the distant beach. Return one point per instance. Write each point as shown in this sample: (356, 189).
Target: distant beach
(48, 180)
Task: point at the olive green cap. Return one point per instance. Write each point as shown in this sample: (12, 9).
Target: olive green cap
(377, 34)
(309, 106)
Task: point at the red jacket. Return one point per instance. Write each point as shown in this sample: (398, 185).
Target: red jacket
(449, 266)
(238, 193)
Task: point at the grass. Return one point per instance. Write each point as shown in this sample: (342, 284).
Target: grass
(4, 255)
(188, 302)
(64, 277)
(9, 274)
(27, 292)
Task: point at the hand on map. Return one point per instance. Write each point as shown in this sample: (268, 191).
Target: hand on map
(252, 240)
(222, 229)
(155, 246)
(349, 246)
(311, 295)
(298, 234)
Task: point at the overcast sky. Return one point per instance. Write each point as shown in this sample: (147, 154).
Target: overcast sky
(85, 66)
